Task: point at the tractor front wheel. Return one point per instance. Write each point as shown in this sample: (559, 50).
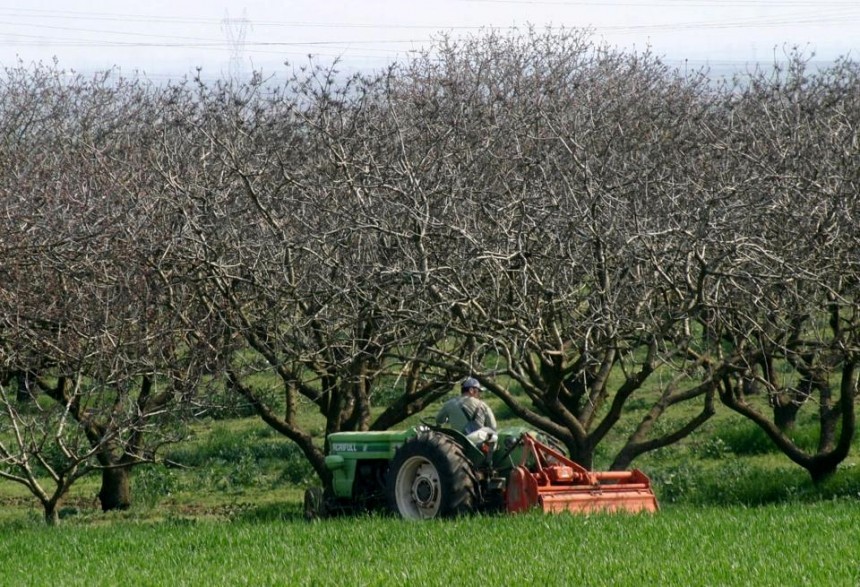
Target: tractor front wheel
(430, 477)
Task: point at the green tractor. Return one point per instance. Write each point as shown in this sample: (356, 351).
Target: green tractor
(430, 471)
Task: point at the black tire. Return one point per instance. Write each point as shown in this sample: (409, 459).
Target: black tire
(430, 477)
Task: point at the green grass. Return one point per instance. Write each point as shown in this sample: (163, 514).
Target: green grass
(735, 512)
(774, 545)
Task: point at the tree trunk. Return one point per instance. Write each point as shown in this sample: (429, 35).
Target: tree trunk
(52, 513)
(26, 387)
(582, 455)
(821, 471)
(785, 415)
(115, 493)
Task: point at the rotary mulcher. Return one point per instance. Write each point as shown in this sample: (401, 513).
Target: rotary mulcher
(430, 471)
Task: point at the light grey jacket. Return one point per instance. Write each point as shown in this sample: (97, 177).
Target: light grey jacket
(467, 414)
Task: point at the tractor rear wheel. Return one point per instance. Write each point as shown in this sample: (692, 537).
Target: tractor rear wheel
(430, 477)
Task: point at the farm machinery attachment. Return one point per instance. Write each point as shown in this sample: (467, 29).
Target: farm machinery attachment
(430, 471)
(555, 483)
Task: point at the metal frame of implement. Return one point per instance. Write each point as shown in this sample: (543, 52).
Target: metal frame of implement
(556, 484)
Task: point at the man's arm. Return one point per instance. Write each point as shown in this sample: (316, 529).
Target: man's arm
(490, 417)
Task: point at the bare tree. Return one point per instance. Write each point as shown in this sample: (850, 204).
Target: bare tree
(276, 230)
(537, 168)
(90, 287)
(574, 225)
(779, 266)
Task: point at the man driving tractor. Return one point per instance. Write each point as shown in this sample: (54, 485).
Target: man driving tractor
(468, 413)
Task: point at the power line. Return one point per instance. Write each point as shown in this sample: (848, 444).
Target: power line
(258, 24)
(114, 17)
(806, 18)
(112, 32)
(125, 30)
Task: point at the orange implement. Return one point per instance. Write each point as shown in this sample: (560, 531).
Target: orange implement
(555, 483)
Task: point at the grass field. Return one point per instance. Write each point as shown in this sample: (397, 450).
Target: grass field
(734, 512)
(771, 545)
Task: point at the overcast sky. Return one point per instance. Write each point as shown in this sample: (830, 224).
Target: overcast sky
(170, 38)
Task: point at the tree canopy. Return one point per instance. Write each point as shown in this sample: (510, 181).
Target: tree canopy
(574, 225)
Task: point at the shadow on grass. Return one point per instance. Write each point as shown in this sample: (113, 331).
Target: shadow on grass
(735, 482)
(274, 512)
